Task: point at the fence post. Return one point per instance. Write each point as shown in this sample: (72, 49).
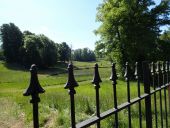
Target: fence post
(114, 78)
(96, 80)
(147, 82)
(167, 71)
(127, 78)
(159, 74)
(153, 73)
(165, 94)
(34, 89)
(138, 77)
(71, 84)
(169, 97)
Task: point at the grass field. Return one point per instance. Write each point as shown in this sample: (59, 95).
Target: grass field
(16, 111)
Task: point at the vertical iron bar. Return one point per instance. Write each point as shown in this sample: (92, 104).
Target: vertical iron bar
(137, 75)
(97, 106)
(115, 106)
(165, 70)
(73, 121)
(169, 97)
(146, 80)
(128, 91)
(34, 89)
(168, 86)
(114, 78)
(154, 86)
(71, 84)
(96, 80)
(35, 110)
(160, 92)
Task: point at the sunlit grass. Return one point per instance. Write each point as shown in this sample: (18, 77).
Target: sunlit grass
(54, 108)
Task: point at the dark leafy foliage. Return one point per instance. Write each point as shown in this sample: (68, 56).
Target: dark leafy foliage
(64, 52)
(84, 54)
(130, 30)
(27, 48)
(12, 40)
(40, 50)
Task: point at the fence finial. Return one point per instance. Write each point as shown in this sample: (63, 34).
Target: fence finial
(167, 66)
(96, 79)
(152, 69)
(126, 75)
(147, 83)
(113, 76)
(136, 70)
(158, 68)
(163, 67)
(34, 87)
(159, 74)
(71, 83)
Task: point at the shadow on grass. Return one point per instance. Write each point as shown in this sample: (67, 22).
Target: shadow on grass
(59, 68)
(15, 66)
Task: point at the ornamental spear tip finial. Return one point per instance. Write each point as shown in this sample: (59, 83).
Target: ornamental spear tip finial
(71, 83)
(34, 86)
(126, 75)
(113, 76)
(96, 79)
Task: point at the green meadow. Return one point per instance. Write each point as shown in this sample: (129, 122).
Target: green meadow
(54, 108)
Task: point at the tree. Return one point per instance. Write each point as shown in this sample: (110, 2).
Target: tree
(164, 46)
(1, 54)
(33, 46)
(40, 50)
(27, 48)
(77, 55)
(129, 29)
(100, 49)
(64, 51)
(166, 36)
(48, 52)
(84, 54)
(12, 40)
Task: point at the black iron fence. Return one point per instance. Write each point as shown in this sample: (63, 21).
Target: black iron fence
(155, 78)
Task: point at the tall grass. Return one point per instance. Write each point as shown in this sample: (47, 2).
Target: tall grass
(54, 108)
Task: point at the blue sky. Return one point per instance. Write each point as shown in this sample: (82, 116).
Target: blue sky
(72, 21)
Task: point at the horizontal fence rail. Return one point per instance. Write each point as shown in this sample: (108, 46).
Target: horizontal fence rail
(154, 77)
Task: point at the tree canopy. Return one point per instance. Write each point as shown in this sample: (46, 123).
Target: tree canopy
(129, 29)
(84, 54)
(12, 39)
(164, 46)
(27, 48)
(33, 46)
(64, 51)
(40, 50)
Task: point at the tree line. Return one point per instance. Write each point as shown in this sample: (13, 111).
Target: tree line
(130, 31)
(27, 48)
(84, 54)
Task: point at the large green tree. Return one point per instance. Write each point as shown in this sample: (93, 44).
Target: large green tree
(12, 42)
(164, 46)
(40, 50)
(130, 28)
(64, 52)
(49, 52)
(33, 46)
(84, 54)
